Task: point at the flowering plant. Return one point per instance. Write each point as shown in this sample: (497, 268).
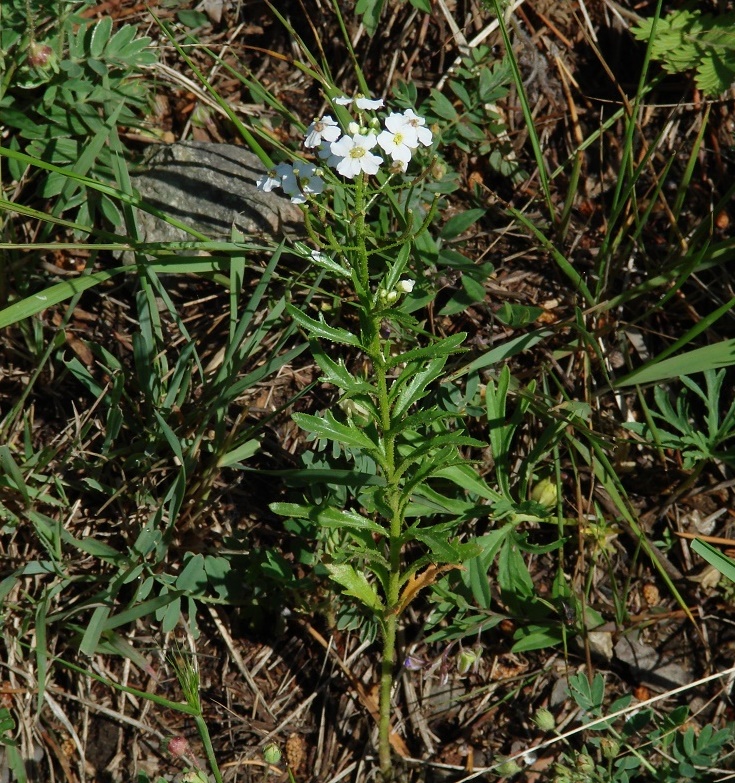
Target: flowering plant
(382, 418)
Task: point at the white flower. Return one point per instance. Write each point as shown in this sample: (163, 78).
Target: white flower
(405, 286)
(356, 156)
(360, 101)
(322, 129)
(300, 180)
(325, 153)
(269, 181)
(288, 178)
(423, 134)
(399, 139)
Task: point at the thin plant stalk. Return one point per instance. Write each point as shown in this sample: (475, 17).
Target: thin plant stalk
(389, 623)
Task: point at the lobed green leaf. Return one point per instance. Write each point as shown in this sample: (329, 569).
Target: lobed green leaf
(322, 330)
(329, 428)
(355, 584)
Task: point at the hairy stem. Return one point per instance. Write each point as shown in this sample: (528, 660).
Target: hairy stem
(375, 349)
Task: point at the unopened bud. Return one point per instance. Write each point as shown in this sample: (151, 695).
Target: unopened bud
(545, 493)
(177, 746)
(610, 747)
(272, 753)
(508, 768)
(40, 55)
(355, 410)
(413, 663)
(437, 169)
(544, 720)
(388, 297)
(584, 764)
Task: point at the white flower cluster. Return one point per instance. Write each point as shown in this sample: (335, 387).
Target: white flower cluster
(350, 153)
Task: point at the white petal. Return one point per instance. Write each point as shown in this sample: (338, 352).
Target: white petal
(366, 103)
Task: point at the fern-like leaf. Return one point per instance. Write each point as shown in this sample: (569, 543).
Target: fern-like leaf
(687, 40)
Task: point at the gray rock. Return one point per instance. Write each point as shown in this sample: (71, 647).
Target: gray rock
(658, 672)
(210, 187)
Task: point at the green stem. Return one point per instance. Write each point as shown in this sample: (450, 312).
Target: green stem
(375, 350)
(208, 748)
(390, 621)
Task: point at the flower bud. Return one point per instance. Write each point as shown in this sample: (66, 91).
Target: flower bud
(413, 663)
(354, 410)
(508, 768)
(353, 128)
(177, 746)
(388, 297)
(545, 493)
(610, 747)
(544, 720)
(41, 55)
(272, 753)
(397, 167)
(584, 764)
(467, 659)
(437, 169)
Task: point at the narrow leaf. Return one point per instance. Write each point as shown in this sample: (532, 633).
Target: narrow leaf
(724, 564)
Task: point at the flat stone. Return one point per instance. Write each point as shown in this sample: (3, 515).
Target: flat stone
(210, 187)
(649, 666)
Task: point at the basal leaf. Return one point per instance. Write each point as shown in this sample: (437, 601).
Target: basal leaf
(460, 223)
